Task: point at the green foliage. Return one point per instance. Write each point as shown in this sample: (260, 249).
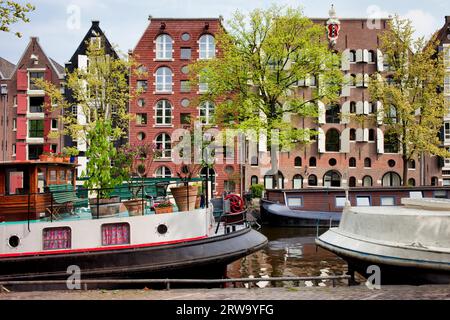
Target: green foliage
(262, 57)
(12, 12)
(414, 107)
(257, 190)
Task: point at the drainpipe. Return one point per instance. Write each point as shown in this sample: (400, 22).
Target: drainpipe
(422, 169)
(4, 93)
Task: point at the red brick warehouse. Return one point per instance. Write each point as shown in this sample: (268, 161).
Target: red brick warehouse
(164, 52)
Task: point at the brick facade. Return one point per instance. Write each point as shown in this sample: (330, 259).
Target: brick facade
(29, 124)
(145, 54)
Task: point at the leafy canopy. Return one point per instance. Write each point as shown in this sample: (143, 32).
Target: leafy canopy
(12, 12)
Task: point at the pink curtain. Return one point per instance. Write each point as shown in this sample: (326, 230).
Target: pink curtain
(116, 234)
(57, 238)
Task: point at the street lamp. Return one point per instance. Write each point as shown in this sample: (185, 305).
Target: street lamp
(4, 94)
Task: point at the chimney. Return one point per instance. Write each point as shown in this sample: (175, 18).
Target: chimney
(95, 23)
(447, 19)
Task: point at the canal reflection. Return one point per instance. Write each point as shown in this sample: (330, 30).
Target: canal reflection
(291, 252)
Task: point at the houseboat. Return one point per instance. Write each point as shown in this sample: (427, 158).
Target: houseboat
(410, 243)
(47, 227)
(322, 207)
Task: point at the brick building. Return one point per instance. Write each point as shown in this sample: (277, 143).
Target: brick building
(28, 124)
(164, 52)
(443, 36)
(6, 69)
(346, 151)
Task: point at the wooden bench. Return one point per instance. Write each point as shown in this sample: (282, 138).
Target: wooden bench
(64, 197)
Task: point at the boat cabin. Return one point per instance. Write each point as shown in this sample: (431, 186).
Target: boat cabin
(24, 187)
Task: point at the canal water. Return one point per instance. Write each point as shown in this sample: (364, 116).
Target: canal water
(291, 252)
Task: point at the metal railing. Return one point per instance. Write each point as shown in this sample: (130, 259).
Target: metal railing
(169, 282)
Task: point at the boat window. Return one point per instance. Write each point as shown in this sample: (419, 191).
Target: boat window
(295, 202)
(387, 201)
(416, 195)
(52, 176)
(42, 183)
(340, 202)
(57, 238)
(115, 234)
(363, 201)
(440, 194)
(69, 176)
(17, 182)
(62, 176)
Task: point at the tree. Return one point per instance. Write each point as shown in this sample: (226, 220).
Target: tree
(413, 103)
(102, 92)
(262, 58)
(12, 12)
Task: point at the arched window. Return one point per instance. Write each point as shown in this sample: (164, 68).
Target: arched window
(164, 47)
(313, 162)
(352, 56)
(332, 114)
(312, 180)
(435, 181)
(269, 181)
(412, 182)
(367, 163)
(164, 145)
(206, 112)
(352, 163)
(411, 164)
(392, 179)
(332, 179)
(164, 80)
(207, 46)
(367, 181)
(163, 112)
(353, 107)
(332, 141)
(254, 180)
(163, 172)
(298, 162)
(297, 182)
(392, 114)
(391, 143)
(353, 80)
(352, 182)
(371, 135)
(371, 56)
(352, 134)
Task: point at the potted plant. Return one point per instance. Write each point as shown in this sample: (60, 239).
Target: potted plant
(71, 154)
(44, 157)
(163, 207)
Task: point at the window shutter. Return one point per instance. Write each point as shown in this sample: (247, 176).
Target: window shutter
(307, 80)
(359, 135)
(366, 55)
(359, 55)
(22, 80)
(345, 113)
(359, 107)
(48, 75)
(380, 61)
(22, 104)
(322, 112)
(366, 107)
(380, 113)
(345, 141)
(82, 62)
(346, 86)
(21, 151)
(262, 142)
(359, 80)
(21, 133)
(321, 141)
(301, 82)
(366, 135)
(380, 141)
(366, 80)
(345, 60)
(47, 126)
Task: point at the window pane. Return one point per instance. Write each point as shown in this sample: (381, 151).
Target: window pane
(115, 234)
(57, 238)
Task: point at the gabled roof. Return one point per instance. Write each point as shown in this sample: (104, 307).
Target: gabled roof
(94, 31)
(57, 66)
(6, 68)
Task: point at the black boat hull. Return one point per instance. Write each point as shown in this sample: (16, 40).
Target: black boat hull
(201, 258)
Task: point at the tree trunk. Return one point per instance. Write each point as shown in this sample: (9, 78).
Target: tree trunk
(405, 171)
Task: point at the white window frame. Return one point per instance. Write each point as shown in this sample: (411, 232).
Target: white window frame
(51, 125)
(164, 139)
(163, 172)
(163, 80)
(166, 108)
(208, 109)
(164, 47)
(207, 48)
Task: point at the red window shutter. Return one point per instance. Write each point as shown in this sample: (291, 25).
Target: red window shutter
(47, 125)
(21, 151)
(48, 75)
(22, 104)
(21, 128)
(22, 80)
(47, 101)
(47, 147)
